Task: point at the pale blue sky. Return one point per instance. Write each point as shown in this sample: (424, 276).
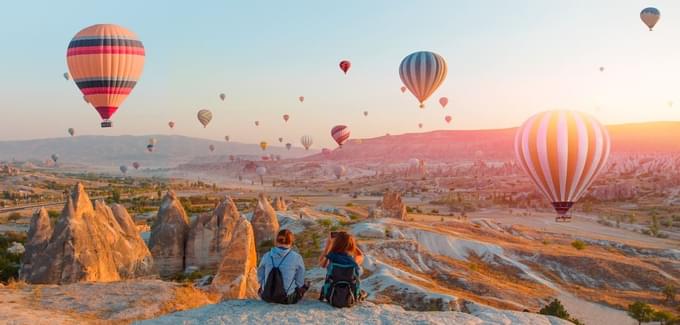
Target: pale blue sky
(507, 60)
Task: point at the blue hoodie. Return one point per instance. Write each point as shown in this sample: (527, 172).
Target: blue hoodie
(292, 268)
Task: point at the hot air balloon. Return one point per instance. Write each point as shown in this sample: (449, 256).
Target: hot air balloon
(650, 16)
(422, 73)
(289, 145)
(286, 117)
(54, 157)
(340, 134)
(280, 139)
(365, 113)
(231, 157)
(306, 141)
(443, 101)
(135, 165)
(211, 147)
(414, 162)
(105, 62)
(345, 65)
(67, 76)
(204, 117)
(420, 125)
(149, 147)
(263, 145)
(171, 124)
(257, 123)
(123, 169)
(601, 69)
(403, 89)
(326, 152)
(71, 131)
(447, 118)
(226, 138)
(301, 99)
(562, 152)
(223, 96)
(339, 171)
(153, 141)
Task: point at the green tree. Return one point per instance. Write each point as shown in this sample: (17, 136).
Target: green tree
(555, 308)
(641, 312)
(115, 195)
(663, 317)
(670, 291)
(578, 244)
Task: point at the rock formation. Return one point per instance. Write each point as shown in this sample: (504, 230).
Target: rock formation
(39, 233)
(237, 274)
(210, 235)
(264, 221)
(391, 206)
(280, 204)
(168, 236)
(88, 243)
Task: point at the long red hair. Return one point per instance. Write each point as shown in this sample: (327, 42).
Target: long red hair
(344, 243)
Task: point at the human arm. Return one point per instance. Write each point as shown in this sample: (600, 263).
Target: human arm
(323, 260)
(300, 273)
(359, 256)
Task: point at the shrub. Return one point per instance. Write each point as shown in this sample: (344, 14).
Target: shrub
(555, 308)
(14, 216)
(641, 312)
(578, 244)
(349, 204)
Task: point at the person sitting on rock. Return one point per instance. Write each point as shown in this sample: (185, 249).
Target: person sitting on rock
(282, 271)
(342, 258)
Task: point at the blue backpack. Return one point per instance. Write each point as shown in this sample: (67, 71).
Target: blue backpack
(342, 287)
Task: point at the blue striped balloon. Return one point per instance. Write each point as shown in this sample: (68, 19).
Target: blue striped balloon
(422, 73)
(650, 16)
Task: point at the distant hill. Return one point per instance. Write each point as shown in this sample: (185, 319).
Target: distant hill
(112, 151)
(495, 144)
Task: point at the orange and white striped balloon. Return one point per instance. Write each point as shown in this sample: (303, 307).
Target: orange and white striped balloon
(562, 152)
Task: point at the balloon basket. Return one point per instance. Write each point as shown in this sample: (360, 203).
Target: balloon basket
(107, 124)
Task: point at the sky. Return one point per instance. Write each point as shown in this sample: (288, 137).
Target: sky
(507, 60)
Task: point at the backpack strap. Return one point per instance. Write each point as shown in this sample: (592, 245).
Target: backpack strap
(283, 259)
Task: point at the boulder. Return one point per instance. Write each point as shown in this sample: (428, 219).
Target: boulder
(39, 233)
(210, 235)
(280, 204)
(168, 236)
(391, 206)
(236, 277)
(264, 221)
(130, 252)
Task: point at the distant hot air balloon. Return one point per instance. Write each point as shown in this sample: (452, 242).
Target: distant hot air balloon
(447, 118)
(650, 16)
(257, 123)
(204, 117)
(54, 157)
(149, 147)
(339, 171)
(223, 96)
(211, 147)
(340, 134)
(226, 138)
(326, 152)
(263, 145)
(135, 165)
(67, 76)
(601, 69)
(414, 163)
(171, 124)
(280, 139)
(289, 145)
(443, 101)
(420, 125)
(153, 141)
(365, 113)
(306, 141)
(345, 65)
(71, 131)
(301, 99)
(286, 117)
(562, 152)
(105, 62)
(422, 73)
(231, 157)
(123, 169)
(403, 89)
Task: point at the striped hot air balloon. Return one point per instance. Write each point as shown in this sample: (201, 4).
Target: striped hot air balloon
(422, 73)
(650, 16)
(204, 117)
(306, 142)
(562, 152)
(340, 134)
(345, 65)
(105, 62)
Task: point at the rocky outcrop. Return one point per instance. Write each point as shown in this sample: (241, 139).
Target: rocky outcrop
(280, 204)
(264, 221)
(210, 236)
(39, 234)
(168, 236)
(391, 206)
(237, 274)
(88, 244)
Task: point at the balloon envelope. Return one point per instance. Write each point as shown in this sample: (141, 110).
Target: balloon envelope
(223, 96)
(562, 152)
(54, 157)
(280, 139)
(301, 99)
(422, 73)
(403, 89)
(204, 117)
(123, 169)
(339, 171)
(447, 118)
(306, 141)
(226, 138)
(443, 101)
(345, 65)
(263, 145)
(135, 165)
(340, 134)
(105, 62)
(650, 16)
(261, 170)
(286, 117)
(365, 113)
(289, 145)
(71, 131)
(171, 124)
(67, 76)
(211, 147)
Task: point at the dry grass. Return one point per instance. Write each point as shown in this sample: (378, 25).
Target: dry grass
(16, 284)
(188, 297)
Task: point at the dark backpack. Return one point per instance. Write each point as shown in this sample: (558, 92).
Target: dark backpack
(274, 290)
(341, 288)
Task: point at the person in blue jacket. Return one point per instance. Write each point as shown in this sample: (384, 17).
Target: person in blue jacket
(290, 264)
